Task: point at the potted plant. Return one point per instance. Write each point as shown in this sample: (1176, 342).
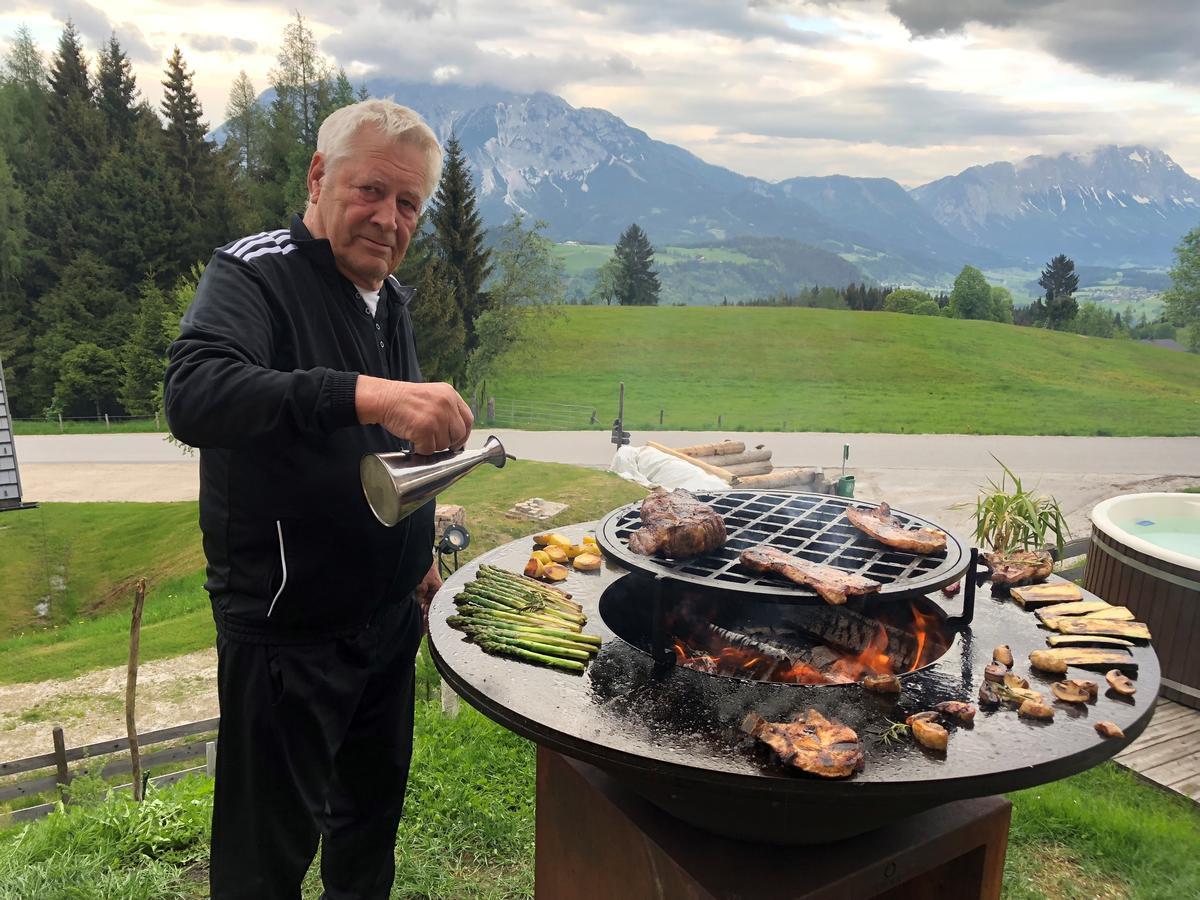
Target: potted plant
(1016, 524)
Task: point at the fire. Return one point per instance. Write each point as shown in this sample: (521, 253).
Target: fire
(872, 660)
(748, 664)
(923, 624)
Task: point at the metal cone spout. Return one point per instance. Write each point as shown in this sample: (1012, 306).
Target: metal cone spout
(398, 484)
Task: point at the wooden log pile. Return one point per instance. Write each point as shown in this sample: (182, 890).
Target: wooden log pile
(745, 467)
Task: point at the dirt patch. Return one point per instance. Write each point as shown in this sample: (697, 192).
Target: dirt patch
(91, 707)
(1058, 876)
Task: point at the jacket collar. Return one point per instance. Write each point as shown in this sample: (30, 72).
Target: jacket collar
(319, 252)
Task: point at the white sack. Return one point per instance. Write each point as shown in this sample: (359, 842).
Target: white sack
(653, 468)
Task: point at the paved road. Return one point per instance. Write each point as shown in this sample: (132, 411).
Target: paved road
(1025, 454)
(930, 475)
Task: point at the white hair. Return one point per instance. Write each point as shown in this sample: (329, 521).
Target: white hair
(394, 121)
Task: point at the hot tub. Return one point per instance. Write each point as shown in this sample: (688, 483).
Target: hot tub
(1145, 554)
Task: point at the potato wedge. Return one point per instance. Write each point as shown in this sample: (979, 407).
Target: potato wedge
(930, 734)
(587, 562)
(557, 554)
(555, 572)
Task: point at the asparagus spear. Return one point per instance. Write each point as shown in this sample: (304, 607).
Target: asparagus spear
(500, 608)
(523, 603)
(479, 619)
(500, 586)
(471, 609)
(569, 665)
(493, 631)
(555, 595)
(532, 645)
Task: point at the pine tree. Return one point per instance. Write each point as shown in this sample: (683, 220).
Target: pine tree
(68, 72)
(458, 236)
(143, 356)
(73, 117)
(186, 148)
(638, 282)
(1059, 281)
(245, 126)
(117, 90)
(302, 81)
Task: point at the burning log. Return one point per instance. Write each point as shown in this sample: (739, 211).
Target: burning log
(855, 633)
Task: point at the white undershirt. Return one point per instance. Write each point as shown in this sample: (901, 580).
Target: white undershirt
(371, 298)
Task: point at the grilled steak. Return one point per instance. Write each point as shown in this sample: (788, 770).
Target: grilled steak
(833, 585)
(887, 529)
(677, 525)
(813, 744)
(1019, 566)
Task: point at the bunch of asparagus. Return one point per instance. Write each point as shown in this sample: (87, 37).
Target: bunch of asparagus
(516, 616)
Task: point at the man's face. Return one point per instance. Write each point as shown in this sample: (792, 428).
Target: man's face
(367, 204)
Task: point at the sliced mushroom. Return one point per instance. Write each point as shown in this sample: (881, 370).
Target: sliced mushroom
(995, 672)
(1070, 692)
(1031, 709)
(1085, 684)
(882, 684)
(957, 709)
(1003, 655)
(1046, 661)
(1109, 730)
(930, 734)
(988, 697)
(1014, 682)
(1120, 683)
(928, 716)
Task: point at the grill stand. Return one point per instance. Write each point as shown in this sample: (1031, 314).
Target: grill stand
(597, 840)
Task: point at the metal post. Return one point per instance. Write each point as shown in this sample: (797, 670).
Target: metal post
(107, 427)
(660, 418)
(210, 759)
(156, 425)
(60, 424)
(449, 701)
(491, 410)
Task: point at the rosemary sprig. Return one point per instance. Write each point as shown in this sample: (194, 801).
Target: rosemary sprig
(893, 734)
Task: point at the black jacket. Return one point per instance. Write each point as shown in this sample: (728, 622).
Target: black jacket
(261, 379)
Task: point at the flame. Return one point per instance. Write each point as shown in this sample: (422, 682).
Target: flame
(923, 625)
(747, 663)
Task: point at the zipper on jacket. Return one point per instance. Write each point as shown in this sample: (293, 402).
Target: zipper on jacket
(282, 562)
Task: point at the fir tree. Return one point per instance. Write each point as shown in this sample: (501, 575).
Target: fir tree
(117, 90)
(458, 235)
(73, 118)
(186, 148)
(302, 81)
(637, 284)
(1060, 282)
(68, 72)
(143, 356)
(245, 126)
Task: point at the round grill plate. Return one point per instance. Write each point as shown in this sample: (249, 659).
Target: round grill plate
(812, 527)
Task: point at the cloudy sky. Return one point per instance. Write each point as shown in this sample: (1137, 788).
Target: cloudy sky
(907, 89)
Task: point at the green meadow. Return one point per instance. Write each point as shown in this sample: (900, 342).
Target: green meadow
(787, 369)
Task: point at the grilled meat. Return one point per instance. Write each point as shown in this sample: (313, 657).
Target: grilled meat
(813, 744)
(833, 585)
(677, 525)
(1019, 566)
(887, 529)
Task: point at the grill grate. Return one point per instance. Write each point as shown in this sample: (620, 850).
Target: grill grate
(810, 526)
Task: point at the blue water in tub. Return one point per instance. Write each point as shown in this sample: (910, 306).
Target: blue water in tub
(1178, 533)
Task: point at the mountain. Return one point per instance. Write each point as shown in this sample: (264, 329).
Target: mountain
(1116, 205)
(590, 175)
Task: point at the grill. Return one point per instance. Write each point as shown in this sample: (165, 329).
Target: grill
(810, 526)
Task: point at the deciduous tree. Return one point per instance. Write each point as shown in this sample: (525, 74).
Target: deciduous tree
(1183, 297)
(972, 295)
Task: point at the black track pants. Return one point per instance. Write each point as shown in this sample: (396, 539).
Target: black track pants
(315, 742)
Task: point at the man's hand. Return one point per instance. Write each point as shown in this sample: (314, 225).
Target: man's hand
(425, 590)
(433, 416)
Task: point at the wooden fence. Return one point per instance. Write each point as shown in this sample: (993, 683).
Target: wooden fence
(60, 759)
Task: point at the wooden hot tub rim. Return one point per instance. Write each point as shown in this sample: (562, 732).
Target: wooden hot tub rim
(1165, 596)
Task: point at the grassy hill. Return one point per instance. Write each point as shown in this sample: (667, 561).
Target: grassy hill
(826, 370)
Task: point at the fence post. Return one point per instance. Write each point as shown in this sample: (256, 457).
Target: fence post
(210, 758)
(156, 425)
(107, 427)
(593, 421)
(60, 424)
(660, 418)
(60, 761)
(491, 410)
(449, 701)
(718, 420)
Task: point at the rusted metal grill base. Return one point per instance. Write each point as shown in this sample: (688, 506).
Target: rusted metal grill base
(1159, 595)
(596, 840)
(812, 527)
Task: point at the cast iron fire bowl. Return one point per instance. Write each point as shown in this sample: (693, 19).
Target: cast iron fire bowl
(672, 733)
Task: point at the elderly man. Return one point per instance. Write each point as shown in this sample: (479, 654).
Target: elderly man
(296, 358)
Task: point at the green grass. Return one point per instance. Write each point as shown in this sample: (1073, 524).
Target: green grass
(827, 370)
(1102, 834)
(86, 426)
(579, 259)
(105, 542)
(84, 558)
